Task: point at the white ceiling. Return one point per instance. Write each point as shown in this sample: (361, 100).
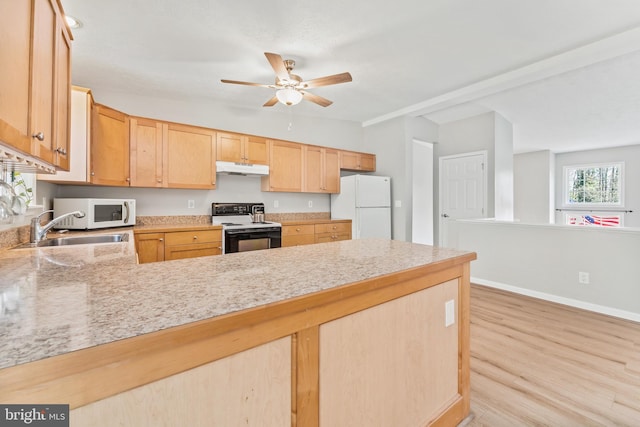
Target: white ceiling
(566, 73)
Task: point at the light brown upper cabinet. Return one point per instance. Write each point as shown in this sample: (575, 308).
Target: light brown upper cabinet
(35, 88)
(189, 156)
(321, 170)
(355, 161)
(80, 136)
(109, 147)
(246, 149)
(285, 167)
(145, 139)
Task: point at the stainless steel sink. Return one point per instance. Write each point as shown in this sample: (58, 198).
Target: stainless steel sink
(77, 240)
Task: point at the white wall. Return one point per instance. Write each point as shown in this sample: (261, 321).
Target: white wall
(392, 143)
(534, 187)
(630, 155)
(485, 132)
(544, 260)
(422, 216)
(230, 188)
(503, 161)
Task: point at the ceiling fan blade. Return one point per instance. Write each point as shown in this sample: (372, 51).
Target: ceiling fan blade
(270, 103)
(323, 102)
(236, 82)
(278, 65)
(328, 80)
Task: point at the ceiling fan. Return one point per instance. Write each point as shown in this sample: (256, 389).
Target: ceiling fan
(291, 89)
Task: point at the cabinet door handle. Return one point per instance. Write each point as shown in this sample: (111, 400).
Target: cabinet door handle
(297, 229)
(39, 136)
(195, 237)
(61, 150)
(161, 239)
(128, 179)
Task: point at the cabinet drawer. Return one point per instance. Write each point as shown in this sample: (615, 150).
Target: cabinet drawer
(332, 237)
(297, 240)
(187, 237)
(192, 251)
(334, 227)
(294, 230)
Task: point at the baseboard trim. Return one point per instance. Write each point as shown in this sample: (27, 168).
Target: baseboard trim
(610, 311)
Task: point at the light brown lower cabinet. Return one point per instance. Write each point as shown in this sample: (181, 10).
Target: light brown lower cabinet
(392, 364)
(308, 232)
(166, 246)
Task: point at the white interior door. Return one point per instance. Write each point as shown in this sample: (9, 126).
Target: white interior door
(463, 188)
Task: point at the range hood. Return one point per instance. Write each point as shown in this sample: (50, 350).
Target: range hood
(231, 168)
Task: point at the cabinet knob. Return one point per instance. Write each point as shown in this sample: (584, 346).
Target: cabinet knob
(39, 136)
(159, 180)
(61, 150)
(195, 237)
(93, 173)
(297, 229)
(161, 239)
(334, 227)
(128, 179)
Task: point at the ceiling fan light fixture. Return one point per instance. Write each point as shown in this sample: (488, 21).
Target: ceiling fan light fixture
(289, 96)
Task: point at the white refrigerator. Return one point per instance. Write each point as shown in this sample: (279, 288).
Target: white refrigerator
(366, 201)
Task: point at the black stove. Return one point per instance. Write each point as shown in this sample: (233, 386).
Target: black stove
(240, 231)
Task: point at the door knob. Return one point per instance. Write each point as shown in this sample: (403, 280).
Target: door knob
(445, 215)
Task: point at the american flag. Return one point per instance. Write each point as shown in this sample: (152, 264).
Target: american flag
(602, 221)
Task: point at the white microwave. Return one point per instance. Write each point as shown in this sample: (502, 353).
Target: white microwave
(99, 213)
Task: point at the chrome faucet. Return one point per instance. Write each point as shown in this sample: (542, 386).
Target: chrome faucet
(39, 232)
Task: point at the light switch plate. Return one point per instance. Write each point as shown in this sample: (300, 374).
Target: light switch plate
(449, 313)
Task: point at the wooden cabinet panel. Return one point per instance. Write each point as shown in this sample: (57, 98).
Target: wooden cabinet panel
(62, 99)
(195, 236)
(333, 227)
(333, 231)
(247, 149)
(352, 160)
(150, 247)
(189, 156)
(314, 170)
(295, 235)
(285, 168)
(256, 150)
(249, 388)
(306, 234)
(153, 247)
(321, 170)
(15, 48)
(229, 147)
(374, 357)
(192, 251)
(331, 171)
(80, 137)
(109, 147)
(42, 79)
(146, 152)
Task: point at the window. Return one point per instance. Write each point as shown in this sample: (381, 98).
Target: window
(23, 184)
(594, 185)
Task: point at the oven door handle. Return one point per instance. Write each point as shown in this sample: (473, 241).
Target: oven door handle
(253, 231)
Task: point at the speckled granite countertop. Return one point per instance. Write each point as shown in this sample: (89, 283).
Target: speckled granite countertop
(57, 300)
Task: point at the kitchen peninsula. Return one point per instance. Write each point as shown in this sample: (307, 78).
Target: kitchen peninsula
(340, 333)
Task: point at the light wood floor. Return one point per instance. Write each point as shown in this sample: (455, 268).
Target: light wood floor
(535, 363)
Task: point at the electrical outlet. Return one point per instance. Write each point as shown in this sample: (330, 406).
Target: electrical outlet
(276, 204)
(310, 203)
(583, 278)
(449, 313)
(191, 204)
